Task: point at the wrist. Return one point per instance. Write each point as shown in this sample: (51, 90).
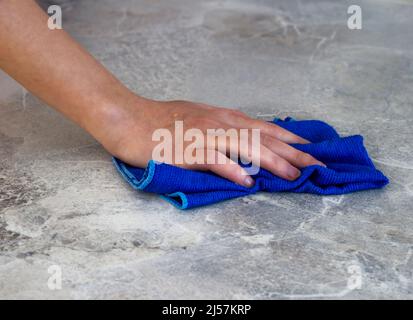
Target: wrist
(109, 119)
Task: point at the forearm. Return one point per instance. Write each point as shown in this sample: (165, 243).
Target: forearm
(54, 67)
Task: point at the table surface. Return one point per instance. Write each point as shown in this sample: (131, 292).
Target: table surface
(63, 204)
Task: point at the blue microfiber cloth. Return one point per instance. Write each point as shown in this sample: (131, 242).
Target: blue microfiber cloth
(349, 169)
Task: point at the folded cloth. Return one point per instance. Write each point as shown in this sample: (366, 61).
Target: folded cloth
(349, 169)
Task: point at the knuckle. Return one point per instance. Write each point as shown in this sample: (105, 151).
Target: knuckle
(297, 156)
(281, 166)
(282, 134)
(275, 161)
(265, 140)
(304, 158)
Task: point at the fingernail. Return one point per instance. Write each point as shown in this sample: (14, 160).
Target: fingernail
(293, 173)
(248, 182)
(322, 164)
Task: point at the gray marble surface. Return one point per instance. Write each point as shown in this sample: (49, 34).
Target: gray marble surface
(62, 203)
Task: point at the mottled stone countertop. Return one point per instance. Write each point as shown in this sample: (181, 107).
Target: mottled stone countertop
(62, 203)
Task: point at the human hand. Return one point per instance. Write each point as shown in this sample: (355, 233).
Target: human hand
(127, 133)
(70, 80)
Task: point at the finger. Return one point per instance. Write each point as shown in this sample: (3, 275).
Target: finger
(267, 128)
(221, 165)
(265, 158)
(227, 168)
(234, 173)
(275, 131)
(296, 157)
(277, 165)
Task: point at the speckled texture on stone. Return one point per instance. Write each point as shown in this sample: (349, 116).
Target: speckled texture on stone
(62, 202)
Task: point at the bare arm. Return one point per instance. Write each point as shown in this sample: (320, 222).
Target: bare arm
(54, 67)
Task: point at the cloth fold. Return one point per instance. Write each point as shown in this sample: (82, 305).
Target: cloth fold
(349, 169)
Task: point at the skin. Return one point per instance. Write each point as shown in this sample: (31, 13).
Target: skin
(55, 68)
